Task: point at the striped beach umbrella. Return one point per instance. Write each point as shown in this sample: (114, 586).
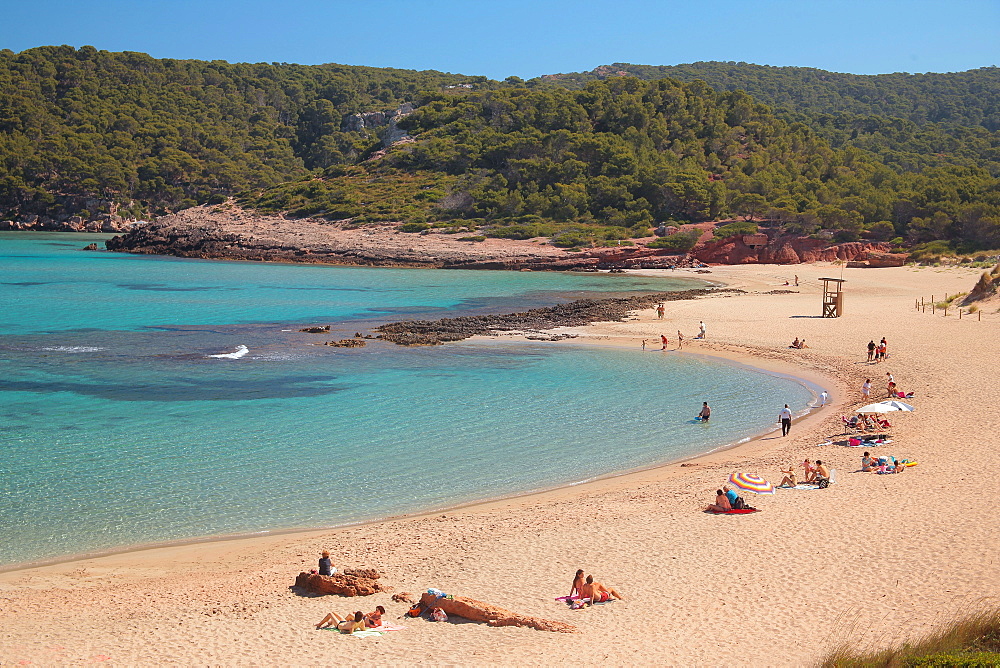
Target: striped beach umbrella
(751, 483)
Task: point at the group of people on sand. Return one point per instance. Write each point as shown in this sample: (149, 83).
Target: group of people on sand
(813, 474)
(798, 343)
(665, 340)
(867, 422)
(359, 621)
(585, 591)
(725, 500)
(885, 464)
(876, 351)
(891, 389)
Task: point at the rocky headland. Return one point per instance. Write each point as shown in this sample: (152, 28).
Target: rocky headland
(580, 312)
(231, 233)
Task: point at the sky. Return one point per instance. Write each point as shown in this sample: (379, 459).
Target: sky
(499, 38)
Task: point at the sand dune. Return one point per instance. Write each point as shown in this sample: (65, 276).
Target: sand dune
(873, 558)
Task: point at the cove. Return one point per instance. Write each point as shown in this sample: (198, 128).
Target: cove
(118, 429)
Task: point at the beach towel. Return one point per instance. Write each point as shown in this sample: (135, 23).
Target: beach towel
(567, 599)
(365, 634)
(735, 511)
(800, 486)
(386, 626)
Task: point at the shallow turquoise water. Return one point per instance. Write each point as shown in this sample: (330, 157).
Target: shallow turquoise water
(117, 429)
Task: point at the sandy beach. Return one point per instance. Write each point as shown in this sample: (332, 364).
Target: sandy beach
(870, 560)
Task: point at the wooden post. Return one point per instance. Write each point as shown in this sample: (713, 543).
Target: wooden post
(946, 310)
(980, 315)
(960, 314)
(932, 305)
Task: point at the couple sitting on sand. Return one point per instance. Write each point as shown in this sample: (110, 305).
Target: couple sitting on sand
(358, 622)
(588, 592)
(726, 500)
(798, 344)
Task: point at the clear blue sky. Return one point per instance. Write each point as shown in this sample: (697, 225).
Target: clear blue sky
(500, 38)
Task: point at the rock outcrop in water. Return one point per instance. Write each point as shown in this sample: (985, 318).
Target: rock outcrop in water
(581, 312)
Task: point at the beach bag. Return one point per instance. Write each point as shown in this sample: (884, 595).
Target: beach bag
(823, 483)
(438, 615)
(415, 611)
(739, 503)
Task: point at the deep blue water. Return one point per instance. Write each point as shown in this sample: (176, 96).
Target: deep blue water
(118, 429)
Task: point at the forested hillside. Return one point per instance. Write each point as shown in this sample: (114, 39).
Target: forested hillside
(957, 98)
(82, 129)
(87, 132)
(611, 160)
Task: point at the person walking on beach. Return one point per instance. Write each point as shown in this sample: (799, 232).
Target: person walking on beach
(706, 411)
(823, 397)
(701, 329)
(786, 420)
(659, 311)
(644, 344)
(871, 350)
(664, 340)
(866, 388)
(796, 280)
(680, 339)
(882, 349)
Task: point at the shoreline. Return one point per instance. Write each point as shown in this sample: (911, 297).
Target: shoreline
(922, 538)
(623, 475)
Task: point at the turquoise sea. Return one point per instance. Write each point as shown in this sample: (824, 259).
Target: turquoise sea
(118, 429)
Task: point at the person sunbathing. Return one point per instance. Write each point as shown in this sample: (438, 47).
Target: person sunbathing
(795, 343)
(578, 581)
(821, 472)
(802, 344)
(721, 504)
(597, 592)
(867, 463)
(789, 479)
(374, 619)
(345, 625)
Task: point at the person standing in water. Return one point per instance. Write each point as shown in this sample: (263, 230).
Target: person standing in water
(664, 340)
(706, 411)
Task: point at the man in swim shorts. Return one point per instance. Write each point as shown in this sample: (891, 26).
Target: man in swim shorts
(706, 411)
(597, 592)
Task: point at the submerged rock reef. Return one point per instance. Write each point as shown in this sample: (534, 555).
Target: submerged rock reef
(576, 313)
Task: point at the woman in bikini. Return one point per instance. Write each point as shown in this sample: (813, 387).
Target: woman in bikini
(345, 625)
(721, 504)
(789, 479)
(574, 591)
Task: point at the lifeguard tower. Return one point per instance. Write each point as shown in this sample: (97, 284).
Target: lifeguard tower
(833, 297)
